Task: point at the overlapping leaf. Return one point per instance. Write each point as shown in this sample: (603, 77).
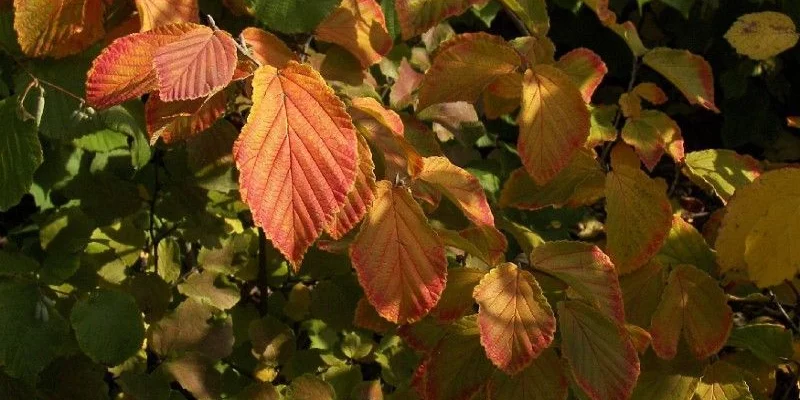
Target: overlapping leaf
(723, 381)
(154, 13)
(543, 379)
(722, 171)
(762, 35)
(461, 187)
(532, 13)
(360, 27)
(181, 120)
(457, 298)
(652, 133)
(360, 197)
(690, 73)
(20, 154)
(685, 245)
(408, 80)
(58, 28)
(267, 48)
(417, 16)
(585, 68)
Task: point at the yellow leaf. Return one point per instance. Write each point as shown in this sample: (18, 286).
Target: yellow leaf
(360, 27)
(723, 381)
(762, 35)
(57, 28)
(153, 13)
(690, 73)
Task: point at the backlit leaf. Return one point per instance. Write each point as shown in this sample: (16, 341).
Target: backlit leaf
(652, 133)
(108, 326)
(762, 35)
(267, 48)
(417, 16)
(57, 28)
(153, 13)
(20, 154)
(685, 245)
(296, 155)
(585, 68)
(535, 49)
(515, 319)
(543, 379)
(690, 73)
(358, 26)
(182, 120)
(360, 197)
(457, 298)
(722, 171)
(723, 381)
(650, 92)
(602, 125)
(533, 14)
(461, 187)
(399, 259)
(491, 243)
(692, 303)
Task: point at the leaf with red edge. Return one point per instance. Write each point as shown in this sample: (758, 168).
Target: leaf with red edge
(488, 240)
(154, 13)
(585, 68)
(601, 356)
(641, 292)
(650, 92)
(408, 80)
(267, 48)
(360, 198)
(367, 318)
(587, 270)
(553, 122)
(124, 69)
(457, 298)
(464, 66)
(360, 27)
(652, 133)
(417, 16)
(57, 28)
(690, 73)
(425, 334)
(296, 156)
(515, 319)
(200, 62)
(695, 305)
(543, 379)
(180, 120)
(461, 187)
(399, 259)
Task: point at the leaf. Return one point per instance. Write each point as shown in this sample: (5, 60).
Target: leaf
(652, 133)
(267, 48)
(772, 343)
(535, 49)
(650, 92)
(124, 69)
(367, 318)
(408, 80)
(457, 298)
(57, 28)
(108, 326)
(490, 242)
(627, 32)
(639, 216)
(543, 379)
(692, 303)
(211, 288)
(461, 187)
(587, 270)
(417, 16)
(757, 228)
(154, 13)
(762, 35)
(723, 381)
(553, 122)
(641, 292)
(399, 259)
(581, 182)
(675, 379)
(273, 343)
(182, 120)
(515, 319)
(20, 154)
(594, 345)
(358, 26)
(602, 125)
(685, 245)
(293, 16)
(360, 197)
(296, 156)
(690, 73)
(196, 373)
(309, 387)
(190, 328)
(198, 63)
(532, 13)
(722, 171)
(464, 66)
(13, 263)
(585, 68)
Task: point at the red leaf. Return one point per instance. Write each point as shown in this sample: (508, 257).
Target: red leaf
(461, 187)
(181, 120)
(360, 198)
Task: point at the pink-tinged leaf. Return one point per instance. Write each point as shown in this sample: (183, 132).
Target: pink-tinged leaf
(267, 48)
(459, 120)
(154, 13)
(408, 80)
(457, 296)
(360, 198)
(399, 259)
(297, 157)
(585, 68)
(360, 27)
(651, 134)
(601, 356)
(515, 319)
(587, 270)
(417, 16)
(124, 69)
(464, 66)
(710, 169)
(651, 92)
(695, 305)
(57, 28)
(553, 122)
(581, 182)
(461, 187)
(690, 73)
(543, 379)
(181, 120)
(641, 292)
(489, 241)
(200, 62)
(367, 318)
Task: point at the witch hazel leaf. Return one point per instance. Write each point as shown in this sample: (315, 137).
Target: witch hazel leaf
(457, 298)
(695, 307)
(296, 156)
(650, 92)
(723, 381)
(690, 73)
(57, 28)
(587, 270)
(627, 32)
(762, 35)
(267, 48)
(722, 171)
(652, 133)
(360, 27)
(488, 240)
(532, 13)
(408, 80)
(181, 120)
(585, 68)
(124, 69)
(543, 379)
(464, 66)
(399, 259)
(553, 122)
(515, 319)
(360, 198)
(417, 16)
(461, 187)
(200, 62)
(154, 13)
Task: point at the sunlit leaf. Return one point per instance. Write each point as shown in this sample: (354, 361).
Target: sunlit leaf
(585, 68)
(360, 197)
(652, 133)
(57, 28)
(358, 26)
(722, 171)
(182, 120)
(457, 298)
(267, 48)
(417, 16)
(191, 328)
(685, 245)
(723, 381)
(408, 80)
(690, 73)
(154, 13)
(461, 187)
(762, 35)
(650, 92)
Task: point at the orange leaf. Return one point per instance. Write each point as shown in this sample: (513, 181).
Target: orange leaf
(154, 13)
(408, 80)
(200, 62)
(651, 134)
(488, 240)
(57, 28)
(585, 68)
(360, 198)
(296, 156)
(360, 27)
(417, 16)
(267, 48)
(457, 298)
(535, 49)
(464, 66)
(651, 92)
(553, 122)
(124, 69)
(690, 73)
(367, 318)
(515, 319)
(461, 187)
(793, 122)
(180, 120)
(399, 259)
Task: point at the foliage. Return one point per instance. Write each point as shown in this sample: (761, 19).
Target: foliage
(400, 199)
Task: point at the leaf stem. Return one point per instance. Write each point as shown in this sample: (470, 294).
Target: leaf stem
(262, 278)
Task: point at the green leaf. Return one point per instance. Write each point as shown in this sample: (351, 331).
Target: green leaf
(769, 342)
(543, 379)
(67, 231)
(723, 381)
(690, 73)
(102, 141)
(390, 14)
(75, 377)
(20, 154)
(108, 326)
(356, 345)
(191, 327)
(211, 288)
(685, 245)
(292, 16)
(343, 379)
(674, 379)
(532, 13)
(721, 171)
(128, 118)
(641, 293)
(13, 263)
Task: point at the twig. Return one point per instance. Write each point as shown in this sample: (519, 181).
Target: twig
(675, 180)
(262, 279)
(306, 46)
(242, 47)
(517, 21)
(618, 115)
(154, 198)
(783, 312)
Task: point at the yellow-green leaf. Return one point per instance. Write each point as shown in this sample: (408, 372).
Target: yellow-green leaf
(723, 381)
(543, 379)
(722, 171)
(652, 133)
(762, 35)
(532, 13)
(690, 73)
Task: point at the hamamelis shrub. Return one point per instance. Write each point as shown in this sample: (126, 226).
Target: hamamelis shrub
(399, 199)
